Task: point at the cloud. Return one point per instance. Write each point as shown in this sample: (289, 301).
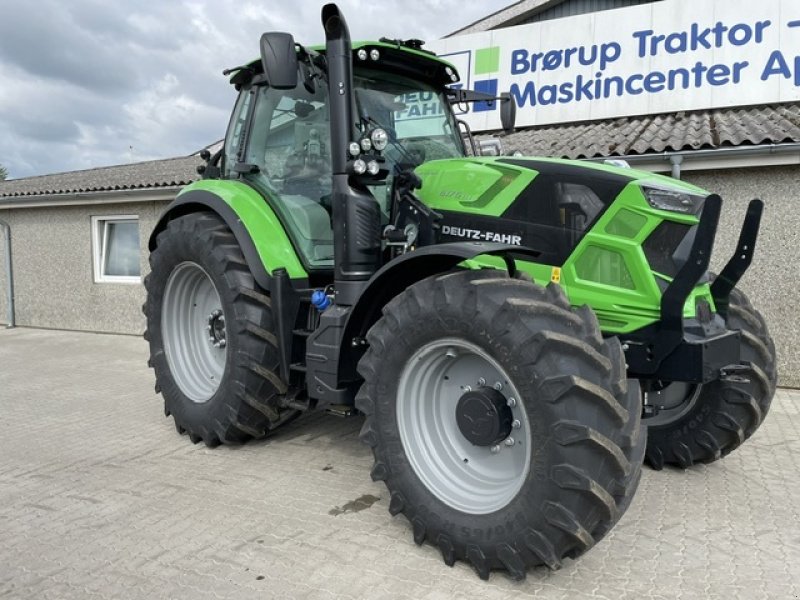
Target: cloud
(49, 41)
(82, 82)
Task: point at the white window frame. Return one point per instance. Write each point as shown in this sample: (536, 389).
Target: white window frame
(99, 239)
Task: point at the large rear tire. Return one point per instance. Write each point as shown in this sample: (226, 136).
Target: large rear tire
(210, 329)
(500, 420)
(708, 422)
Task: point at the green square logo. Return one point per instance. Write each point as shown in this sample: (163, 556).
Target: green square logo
(487, 60)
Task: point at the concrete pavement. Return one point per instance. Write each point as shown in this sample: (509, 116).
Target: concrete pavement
(101, 498)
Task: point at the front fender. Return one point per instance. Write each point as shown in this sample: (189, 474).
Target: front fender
(402, 272)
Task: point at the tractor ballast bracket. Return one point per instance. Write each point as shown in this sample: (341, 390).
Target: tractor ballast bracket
(730, 275)
(695, 351)
(649, 348)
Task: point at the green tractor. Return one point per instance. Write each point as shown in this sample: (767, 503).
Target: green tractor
(511, 328)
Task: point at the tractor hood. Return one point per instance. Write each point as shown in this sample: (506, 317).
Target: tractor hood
(491, 186)
(540, 202)
(613, 237)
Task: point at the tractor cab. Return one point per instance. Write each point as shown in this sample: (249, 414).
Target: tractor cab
(279, 137)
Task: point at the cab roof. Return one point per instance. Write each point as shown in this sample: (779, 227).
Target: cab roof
(402, 57)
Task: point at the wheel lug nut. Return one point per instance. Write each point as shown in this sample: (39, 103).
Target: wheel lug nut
(467, 388)
(222, 344)
(516, 424)
(511, 402)
(498, 386)
(481, 381)
(509, 442)
(495, 449)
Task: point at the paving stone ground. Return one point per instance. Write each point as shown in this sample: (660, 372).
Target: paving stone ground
(101, 498)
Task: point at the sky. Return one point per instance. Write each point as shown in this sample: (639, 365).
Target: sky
(91, 83)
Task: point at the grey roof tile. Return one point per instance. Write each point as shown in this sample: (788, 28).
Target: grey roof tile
(151, 174)
(659, 133)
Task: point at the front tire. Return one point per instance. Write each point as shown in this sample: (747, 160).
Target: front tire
(710, 421)
(555, 462)
(210, 328)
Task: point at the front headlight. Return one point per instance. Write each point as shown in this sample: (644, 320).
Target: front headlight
(672, 200)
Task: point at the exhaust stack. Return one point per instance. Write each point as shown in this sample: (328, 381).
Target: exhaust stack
(356, 215)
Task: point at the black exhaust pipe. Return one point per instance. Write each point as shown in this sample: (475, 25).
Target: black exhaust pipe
(340, 84)
(356, 214)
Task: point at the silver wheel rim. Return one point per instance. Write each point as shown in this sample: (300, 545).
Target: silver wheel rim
(674, 401)
(469, 478)
(193, 329)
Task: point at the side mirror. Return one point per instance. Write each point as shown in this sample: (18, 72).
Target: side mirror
(508, 112)
(279, 59)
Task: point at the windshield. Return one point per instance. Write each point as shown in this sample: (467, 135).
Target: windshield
(416, 116)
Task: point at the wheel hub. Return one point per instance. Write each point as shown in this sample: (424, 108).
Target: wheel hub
(669, 401)
(447, 430)
(216, 329)
(484, 417)
(193, 329)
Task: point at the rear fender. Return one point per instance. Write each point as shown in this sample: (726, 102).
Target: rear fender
(259, 232)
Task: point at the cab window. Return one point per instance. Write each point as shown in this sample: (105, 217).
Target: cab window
(235, 128)
(290, 144)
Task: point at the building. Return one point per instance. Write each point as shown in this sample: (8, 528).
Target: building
(78, 243)
(726, 118)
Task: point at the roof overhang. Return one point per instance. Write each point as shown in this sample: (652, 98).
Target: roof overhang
(737, 157)
(719, 138)
(162, 194)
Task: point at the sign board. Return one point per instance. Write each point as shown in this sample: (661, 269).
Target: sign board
(648, 59)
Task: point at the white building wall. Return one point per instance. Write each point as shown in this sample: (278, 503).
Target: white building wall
(772, 280)
(53, 270)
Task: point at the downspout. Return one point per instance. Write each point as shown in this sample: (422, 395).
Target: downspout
(9, 274)
(676, 160)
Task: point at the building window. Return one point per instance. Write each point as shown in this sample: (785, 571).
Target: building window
(115, 246)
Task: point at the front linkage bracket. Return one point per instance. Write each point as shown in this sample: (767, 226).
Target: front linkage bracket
(696, 265)
(732, 272)
(645, 355)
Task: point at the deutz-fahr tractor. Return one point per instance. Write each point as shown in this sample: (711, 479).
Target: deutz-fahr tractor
(510, 328)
